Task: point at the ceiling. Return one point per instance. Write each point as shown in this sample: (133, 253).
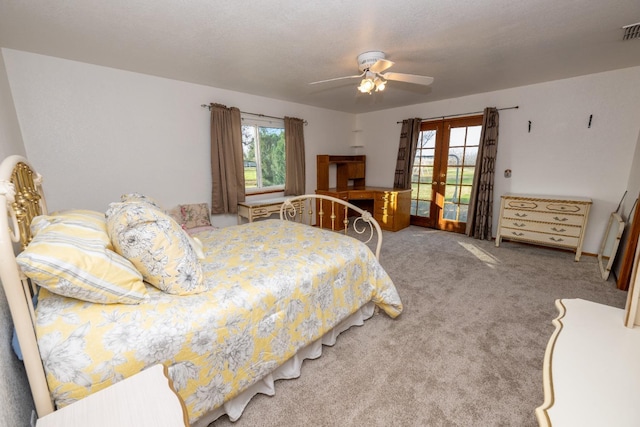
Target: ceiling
(275, 48)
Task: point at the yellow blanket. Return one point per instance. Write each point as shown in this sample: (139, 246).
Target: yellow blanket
(274, 286)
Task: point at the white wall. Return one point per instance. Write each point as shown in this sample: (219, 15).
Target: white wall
(560, 156)
(95, 132)
(10, 137)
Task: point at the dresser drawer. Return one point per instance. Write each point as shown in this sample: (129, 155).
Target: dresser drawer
(543, 238)
(552, 217)
(554, 206)
(542, 227)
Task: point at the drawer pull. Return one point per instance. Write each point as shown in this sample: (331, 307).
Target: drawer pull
(517, 234)
(520, 215)
(520, 225)
(560, 219)
(558, 230)
(560, 239)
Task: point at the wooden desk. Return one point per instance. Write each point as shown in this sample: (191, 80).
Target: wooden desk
(591, 371)
(143, 400)
(391, 207)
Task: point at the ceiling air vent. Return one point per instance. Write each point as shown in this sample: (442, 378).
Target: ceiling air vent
(631, 31)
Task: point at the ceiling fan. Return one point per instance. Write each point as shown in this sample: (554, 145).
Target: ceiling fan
(372, 64)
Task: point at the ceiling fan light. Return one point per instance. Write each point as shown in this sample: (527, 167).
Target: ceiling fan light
(366, 86)
(380, 84)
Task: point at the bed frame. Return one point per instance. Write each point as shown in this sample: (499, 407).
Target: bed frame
(303, 209)
(23, 198)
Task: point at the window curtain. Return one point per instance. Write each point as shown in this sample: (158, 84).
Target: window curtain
(227, 167)
(480, 214)
(294, 183)
(406, 152)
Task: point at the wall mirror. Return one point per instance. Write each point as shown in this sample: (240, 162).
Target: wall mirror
(610, 243)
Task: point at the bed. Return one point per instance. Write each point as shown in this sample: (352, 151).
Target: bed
(260, 298)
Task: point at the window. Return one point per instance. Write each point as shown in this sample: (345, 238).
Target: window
(263, 154)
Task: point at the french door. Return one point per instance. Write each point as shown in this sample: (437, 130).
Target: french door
(442, 175)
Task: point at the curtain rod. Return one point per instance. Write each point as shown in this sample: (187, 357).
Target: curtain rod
(464, 114)
(253, 114)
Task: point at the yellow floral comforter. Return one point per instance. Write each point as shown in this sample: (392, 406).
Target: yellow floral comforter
(273, 287)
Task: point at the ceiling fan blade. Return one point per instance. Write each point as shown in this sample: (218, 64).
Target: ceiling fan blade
(338, 78)
(408, 78)
(381, 65)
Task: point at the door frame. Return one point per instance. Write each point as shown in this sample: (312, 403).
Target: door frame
(440, 165)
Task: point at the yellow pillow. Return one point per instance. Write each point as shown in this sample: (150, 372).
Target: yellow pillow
(70, 255)
(88, 218)
(156, 245)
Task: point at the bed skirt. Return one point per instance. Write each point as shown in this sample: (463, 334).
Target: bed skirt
(289, 370)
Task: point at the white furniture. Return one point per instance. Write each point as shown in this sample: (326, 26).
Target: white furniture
(591, 371)
(143, 400)
(259, 208)
(544, 220)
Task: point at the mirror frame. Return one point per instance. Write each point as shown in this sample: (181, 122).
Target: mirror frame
(610, 243)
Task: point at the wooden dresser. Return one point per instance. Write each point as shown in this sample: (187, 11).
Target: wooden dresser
(544, 220)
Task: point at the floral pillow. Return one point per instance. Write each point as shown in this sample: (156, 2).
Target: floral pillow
(70, 255)
(157, 245)
(137, 197)
(195, 215)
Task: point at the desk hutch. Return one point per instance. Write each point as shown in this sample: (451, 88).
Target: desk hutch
(389, 206)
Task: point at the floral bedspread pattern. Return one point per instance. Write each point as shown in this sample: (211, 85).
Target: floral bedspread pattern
(274, 286)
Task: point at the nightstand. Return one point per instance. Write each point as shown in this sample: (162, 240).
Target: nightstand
(144, 400)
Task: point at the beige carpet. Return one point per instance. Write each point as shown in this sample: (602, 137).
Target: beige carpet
(467, 350)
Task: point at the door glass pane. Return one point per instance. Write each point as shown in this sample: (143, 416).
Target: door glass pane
(427, 139)
(465, 194)
(452, 193)
(464, 210)
(450, 211)
(455, 155)
(423, 208)
(462, 156)
(422, 174)
(457, 137)
(473, 135)
(454, 175)
(424, 192)
(470, 156)
(467, 175)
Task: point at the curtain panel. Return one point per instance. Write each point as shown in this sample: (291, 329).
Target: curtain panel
(480, 216)
(406, 152)
(294, 183)
(227, 167)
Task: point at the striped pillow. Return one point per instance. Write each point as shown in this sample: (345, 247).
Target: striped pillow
(71, 255)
